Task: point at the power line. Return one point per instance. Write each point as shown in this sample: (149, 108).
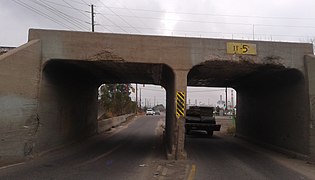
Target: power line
(82, 3)
(42, 14)
(68, 18)
(216, 22)
(208, 32)
(80, 11)
(131, 12)
(62, 5)
(120, 17)
(85, 2)
(77, 22)
(105, 27)
(115, 25)
(208, 14)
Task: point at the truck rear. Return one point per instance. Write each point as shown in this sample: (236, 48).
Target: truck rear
(201, 118)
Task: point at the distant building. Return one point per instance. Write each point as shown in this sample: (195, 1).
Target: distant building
(5, 49)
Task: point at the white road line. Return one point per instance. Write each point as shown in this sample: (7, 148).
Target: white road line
(100, 156)
(12, 165)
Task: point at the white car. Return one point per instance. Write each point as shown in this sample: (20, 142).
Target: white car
(149, 112)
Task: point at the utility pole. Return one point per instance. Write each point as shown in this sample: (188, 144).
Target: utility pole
(140, 100)
(225, 98)
(253, 31)
(154, 101)
(92, 14)
(145, 102)
(232, 101)
(136, 98)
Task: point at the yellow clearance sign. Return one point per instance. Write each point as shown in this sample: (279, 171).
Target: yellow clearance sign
(241, 48)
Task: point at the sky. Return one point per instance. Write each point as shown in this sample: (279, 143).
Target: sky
(265, 20)
(152, 95)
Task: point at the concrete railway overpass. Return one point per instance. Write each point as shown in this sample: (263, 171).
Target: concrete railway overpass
(48, 86)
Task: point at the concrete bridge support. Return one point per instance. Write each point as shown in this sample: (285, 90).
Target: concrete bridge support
(310, 69)
(271, 111)
(68, 105)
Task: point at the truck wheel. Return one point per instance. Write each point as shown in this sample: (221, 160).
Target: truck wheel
(210, 133)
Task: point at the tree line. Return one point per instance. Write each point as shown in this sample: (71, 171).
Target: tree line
(115, 99)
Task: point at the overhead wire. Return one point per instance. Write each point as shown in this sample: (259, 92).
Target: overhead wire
(105, 27)
(115, 25)
(77, 10)
(216, 22)
(82, 3)
(70, 19)
(209, 32)
(85, 2)
(42, 14)
(218, 15)
(76, 22)
(131, 12)
(213, 22)
(104, 5)
(62, 5)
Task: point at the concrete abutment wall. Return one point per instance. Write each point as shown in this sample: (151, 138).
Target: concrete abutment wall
(310, 73)
(271, 111)
(68, 105)
(19, 85)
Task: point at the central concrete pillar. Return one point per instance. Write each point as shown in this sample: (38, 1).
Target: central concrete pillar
(180, 86)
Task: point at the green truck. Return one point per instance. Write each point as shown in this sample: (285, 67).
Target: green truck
(201, 118)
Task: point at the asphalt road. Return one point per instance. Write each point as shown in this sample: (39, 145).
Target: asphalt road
(226, 157)
(122, 154)
(135, 151)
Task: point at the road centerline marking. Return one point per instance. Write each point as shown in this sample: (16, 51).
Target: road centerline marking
(192, 172)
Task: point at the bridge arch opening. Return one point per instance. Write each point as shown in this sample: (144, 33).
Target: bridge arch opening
(270, 101)
(69, 94)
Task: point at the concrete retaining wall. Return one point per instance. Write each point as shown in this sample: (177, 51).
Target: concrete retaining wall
(107, 124)
(19, 122)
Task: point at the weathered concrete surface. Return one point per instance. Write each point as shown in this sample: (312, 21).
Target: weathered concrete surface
(19, 84)
(107, 124)
(72, 65)
(310, 68)
(67, 107)
(274, 110)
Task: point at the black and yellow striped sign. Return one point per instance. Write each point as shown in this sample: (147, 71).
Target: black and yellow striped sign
(180, 104)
